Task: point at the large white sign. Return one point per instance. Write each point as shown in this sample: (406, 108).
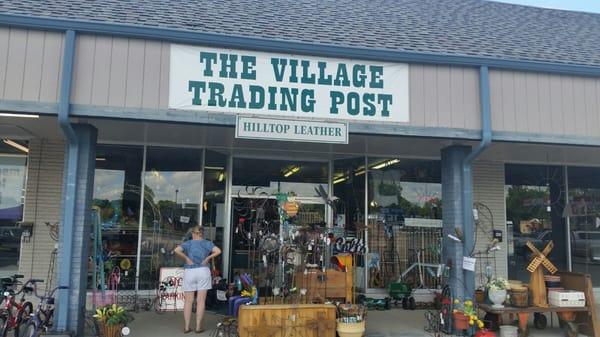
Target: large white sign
(258, 83)
(291, 129)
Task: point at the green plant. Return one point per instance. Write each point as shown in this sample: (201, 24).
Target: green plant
(498, 283)
(111, 315)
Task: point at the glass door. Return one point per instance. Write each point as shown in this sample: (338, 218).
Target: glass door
(263, 188)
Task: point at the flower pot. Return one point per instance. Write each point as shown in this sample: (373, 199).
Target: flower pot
(485, 333)
(111, 330)
(461, 321)
(350, 329)
(497, 296)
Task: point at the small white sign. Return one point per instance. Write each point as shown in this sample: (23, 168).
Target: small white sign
(469, 263)
(291, 130)
(184, 219)
(172, 298)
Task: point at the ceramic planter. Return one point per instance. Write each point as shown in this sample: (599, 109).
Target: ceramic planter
(497, 296)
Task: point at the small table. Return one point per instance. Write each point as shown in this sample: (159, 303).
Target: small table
(523, 313)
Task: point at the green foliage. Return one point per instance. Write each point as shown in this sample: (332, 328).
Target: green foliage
(111, 315)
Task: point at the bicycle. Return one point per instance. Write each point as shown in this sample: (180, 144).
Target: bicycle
(40, 320)
(15, 313)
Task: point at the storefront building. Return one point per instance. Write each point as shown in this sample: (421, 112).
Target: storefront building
(142, 124)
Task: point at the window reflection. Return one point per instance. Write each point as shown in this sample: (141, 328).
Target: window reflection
(534, 212)
(116, 206)
(584, 212)
(172, 194)
(405, 211)
(12, 184)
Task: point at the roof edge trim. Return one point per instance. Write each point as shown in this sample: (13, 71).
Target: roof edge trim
(293, 47)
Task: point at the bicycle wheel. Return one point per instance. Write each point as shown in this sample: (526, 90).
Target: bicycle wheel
(3, 331)
(158, 305)
(29, 329)
(23, 317)
(91, 325)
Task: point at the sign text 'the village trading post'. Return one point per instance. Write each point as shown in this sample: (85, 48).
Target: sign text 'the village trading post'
(265, 84)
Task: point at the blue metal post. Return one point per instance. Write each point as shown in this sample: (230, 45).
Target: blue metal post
(452, 185)
(467, 179)
(69, 192)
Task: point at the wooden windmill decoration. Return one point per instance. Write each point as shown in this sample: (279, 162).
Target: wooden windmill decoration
(536, 268)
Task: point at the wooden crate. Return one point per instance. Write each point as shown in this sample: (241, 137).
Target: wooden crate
(287, 320)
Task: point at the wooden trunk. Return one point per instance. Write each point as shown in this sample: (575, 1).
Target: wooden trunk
(335, 284)
(306, 320)
(537, 285)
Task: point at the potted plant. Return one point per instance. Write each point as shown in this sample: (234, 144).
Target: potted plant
(497, 291)
(465, 315)
(111, 319)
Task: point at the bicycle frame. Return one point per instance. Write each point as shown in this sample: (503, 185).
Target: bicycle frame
(41, 318)
(15, 310)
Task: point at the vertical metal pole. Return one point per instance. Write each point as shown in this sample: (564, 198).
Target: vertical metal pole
(329, 210)
(227, 229)
(201, 211)
(70, 184)
(141, 217)
(568, 221)
(366, 224)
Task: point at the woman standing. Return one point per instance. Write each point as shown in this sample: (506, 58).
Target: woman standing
(197, 254)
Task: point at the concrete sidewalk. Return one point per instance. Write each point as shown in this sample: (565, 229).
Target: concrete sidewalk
(391, 323)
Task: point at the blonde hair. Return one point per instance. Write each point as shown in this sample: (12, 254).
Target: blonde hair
(197, 229)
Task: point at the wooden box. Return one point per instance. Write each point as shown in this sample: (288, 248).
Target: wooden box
(331, 284)
(287, 320)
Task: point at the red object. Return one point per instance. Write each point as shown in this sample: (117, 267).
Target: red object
(461, 321)
(485, 333)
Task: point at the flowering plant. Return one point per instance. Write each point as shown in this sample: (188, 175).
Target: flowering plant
(498, 284)
(111, 315)
(466, 308)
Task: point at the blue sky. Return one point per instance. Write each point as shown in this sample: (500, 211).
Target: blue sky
(575, 5)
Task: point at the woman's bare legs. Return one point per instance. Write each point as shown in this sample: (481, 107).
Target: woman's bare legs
(200, 303)
(187, 308)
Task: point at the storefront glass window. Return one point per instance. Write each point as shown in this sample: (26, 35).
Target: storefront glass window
(584, 212)
(215, 182)
(404, 200)
(172, 201)
(534, 212)
(115, 215)
(12, 183)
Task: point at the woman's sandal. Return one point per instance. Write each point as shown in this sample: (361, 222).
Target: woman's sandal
(187, 330)
(199, 330)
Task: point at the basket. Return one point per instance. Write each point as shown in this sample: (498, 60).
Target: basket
(519, 297)
(111, 330)
(480, 296)
(351, 329)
